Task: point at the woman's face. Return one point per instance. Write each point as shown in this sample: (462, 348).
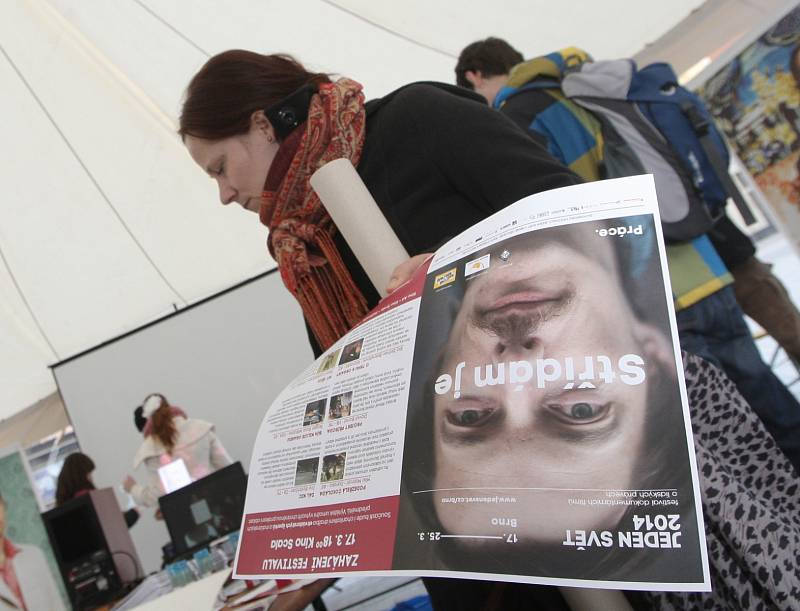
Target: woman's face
(240, 163)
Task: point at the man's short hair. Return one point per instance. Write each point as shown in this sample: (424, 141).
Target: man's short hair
(491, 57)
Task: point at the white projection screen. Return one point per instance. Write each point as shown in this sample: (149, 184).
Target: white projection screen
(223, 360)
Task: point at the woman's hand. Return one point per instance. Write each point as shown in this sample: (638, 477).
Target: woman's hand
(403, 272)
(128, 483)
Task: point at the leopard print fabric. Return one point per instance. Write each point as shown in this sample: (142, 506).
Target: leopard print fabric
(751, 503)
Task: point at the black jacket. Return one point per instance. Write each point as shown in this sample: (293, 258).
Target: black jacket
(437, 160)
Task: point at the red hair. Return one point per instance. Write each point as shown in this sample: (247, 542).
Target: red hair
(162, 424)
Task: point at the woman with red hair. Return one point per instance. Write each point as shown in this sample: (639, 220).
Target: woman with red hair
(170, 437)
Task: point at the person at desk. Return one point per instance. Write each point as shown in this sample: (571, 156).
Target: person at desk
(76, 479)
(171, 436)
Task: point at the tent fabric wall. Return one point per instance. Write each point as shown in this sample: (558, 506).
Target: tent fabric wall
(106, 224)
(31, 425)
(24, 353)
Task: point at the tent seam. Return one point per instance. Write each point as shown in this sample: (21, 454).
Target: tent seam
(388, 30)
(171, 27)
(27, 303)
(91, 178)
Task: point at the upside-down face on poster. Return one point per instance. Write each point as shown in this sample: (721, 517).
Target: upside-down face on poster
(514, 412)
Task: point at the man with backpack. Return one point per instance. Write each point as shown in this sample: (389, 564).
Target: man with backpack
(606, 120)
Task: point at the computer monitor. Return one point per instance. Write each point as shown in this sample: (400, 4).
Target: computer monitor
(93, 548)
(76, 532)
(205, 510)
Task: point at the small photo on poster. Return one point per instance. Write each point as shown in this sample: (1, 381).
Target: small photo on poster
(315, 412)
(340, 405)
(329, 361)
(333, 467)
(352, 351)
(306, 471)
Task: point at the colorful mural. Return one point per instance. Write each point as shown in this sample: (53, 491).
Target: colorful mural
(755, 100)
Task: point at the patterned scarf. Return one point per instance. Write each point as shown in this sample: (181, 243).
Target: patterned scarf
(300, 229)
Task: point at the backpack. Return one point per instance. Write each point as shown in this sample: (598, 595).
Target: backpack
(650, 124)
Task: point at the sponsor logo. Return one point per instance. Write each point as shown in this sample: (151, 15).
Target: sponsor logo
(476, 265)
(444, 278)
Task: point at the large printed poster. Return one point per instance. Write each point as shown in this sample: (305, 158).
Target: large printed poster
(543, 413)
(36, 582)
(755, 100)
(515, 412)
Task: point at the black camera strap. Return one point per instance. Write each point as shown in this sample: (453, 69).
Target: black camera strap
(291, 111)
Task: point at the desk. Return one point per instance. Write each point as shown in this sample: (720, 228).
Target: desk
(300, 599)
(201, 595)
(196, 595)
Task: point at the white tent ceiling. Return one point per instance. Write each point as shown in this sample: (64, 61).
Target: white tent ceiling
(105, 224)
